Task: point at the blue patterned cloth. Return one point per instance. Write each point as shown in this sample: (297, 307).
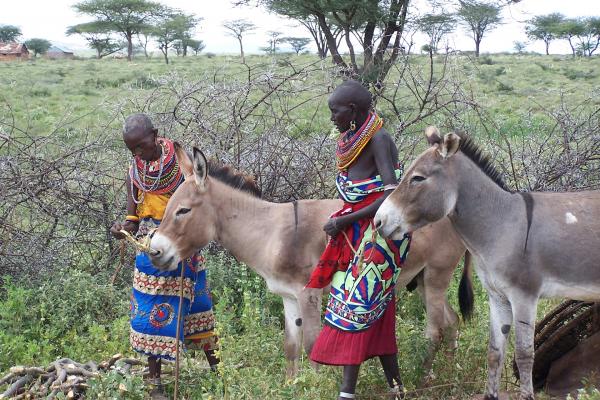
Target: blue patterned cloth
(155, 303)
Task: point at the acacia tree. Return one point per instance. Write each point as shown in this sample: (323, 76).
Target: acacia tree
(38, 46)
(436, 26)
(592, 35)
(545, 27)
(97, 35)
(9, 33)
(196, 45)
(377, 24)
(127, 17)
(297, 43)
(569, 29)
(143, 37)
(174, 26)
(479, 17)
(274, 40)
(238, 28)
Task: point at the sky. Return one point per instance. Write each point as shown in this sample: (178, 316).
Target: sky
(49, 19)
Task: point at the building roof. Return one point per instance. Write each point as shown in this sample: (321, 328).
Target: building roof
(12, 48)
(55, 49)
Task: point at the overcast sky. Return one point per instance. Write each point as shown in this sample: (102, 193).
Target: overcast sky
(49, 19)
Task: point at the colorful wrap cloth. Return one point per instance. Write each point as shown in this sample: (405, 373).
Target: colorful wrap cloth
(361, 266)
(155, 294)
(155, 303)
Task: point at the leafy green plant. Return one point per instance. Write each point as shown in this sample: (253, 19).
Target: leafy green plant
(115, 386)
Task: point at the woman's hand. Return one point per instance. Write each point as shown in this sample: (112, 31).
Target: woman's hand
(334, 226)
(129, 226)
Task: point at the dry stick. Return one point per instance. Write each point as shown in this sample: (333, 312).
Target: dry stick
(14, 388)
(7, 378)
(178, 332)
(121, 262)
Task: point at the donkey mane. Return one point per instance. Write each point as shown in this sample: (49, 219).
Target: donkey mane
(482, 160)
(231, 177)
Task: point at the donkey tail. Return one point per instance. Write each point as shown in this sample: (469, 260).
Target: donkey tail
(465, 290)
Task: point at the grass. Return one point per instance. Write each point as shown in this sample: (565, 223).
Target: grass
(93, 95)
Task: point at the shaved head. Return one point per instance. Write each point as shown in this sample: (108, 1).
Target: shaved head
(137, 124)
(140, 136)
(353, 92)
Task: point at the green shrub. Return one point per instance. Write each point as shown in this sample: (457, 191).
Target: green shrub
(574, 74)
(71, 314)
(503, 87)
(114, 386)
(40, 92)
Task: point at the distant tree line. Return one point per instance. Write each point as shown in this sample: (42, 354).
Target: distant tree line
(583, 34)
(142, 19)
(11, 33)
(379, 26)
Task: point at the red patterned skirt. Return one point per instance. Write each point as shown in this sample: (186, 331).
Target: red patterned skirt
(337, 347)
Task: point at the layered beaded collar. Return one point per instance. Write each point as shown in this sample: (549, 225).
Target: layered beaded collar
(161, 176)
(351, 143)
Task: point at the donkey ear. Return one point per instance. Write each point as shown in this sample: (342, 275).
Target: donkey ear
(200, 169)
(432, 133)
(184, 160)
(450, 145)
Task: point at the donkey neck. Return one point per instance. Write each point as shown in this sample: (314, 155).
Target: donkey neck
(484, 212)
(243, 224)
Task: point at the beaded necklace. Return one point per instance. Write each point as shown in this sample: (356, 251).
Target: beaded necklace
(157, 177)
(351, 143)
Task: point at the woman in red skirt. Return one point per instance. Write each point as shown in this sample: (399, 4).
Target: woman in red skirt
(361, 266)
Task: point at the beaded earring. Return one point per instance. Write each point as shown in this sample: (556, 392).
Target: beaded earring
(352, 125)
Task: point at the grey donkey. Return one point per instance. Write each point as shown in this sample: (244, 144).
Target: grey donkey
(526, 245)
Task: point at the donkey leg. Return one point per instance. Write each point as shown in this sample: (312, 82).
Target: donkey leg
(442, 321)
(293, 335)
(309, 301)
(432, 334)
(500, 323)
(524, 310)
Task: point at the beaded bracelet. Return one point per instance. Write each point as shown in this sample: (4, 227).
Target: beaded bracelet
(132, 218)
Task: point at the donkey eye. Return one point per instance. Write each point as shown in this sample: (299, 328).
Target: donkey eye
(417, 178)
(182, 211)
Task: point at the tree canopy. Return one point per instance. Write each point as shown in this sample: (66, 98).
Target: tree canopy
(377, 24)
(9, 33)
(38, 46)
(436, 26)
(127, 17)
(545, 27)
(297, 43)
(97, 35)
(238, 28)
(172, 27)
(479, 17)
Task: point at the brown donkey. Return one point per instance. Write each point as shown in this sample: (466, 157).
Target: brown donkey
(527, 245)
(282, 242)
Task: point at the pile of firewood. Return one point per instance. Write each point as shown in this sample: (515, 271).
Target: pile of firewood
(62, 376)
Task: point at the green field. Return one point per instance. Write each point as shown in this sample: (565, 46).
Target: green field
(62, 120)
